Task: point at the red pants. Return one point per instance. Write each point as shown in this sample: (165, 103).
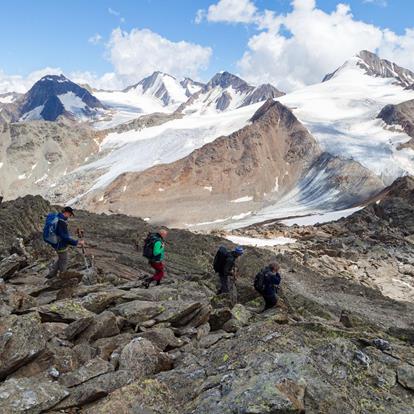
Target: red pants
(159, 270)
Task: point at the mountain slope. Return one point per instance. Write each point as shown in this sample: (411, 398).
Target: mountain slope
(34, 155)
(234, 175)
(341, 113)
(54, 96)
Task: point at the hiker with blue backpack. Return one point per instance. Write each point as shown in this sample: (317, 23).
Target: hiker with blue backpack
(56, 233)
(267, 282)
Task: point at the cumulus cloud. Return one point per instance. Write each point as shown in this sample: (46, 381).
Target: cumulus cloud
(134, 55)
(235, 11)
(21, 84)
(298, 48)
(140, 52)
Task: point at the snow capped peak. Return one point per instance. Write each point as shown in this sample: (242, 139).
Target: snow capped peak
(54, 78)
(162, 86)
(227, 79)
(55, 95)
(191, 86)
(372, 65)
(225, 92)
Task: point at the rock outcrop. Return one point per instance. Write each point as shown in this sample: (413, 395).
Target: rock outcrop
(400, 116)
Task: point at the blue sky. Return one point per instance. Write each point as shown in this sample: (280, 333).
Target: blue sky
(50, 33)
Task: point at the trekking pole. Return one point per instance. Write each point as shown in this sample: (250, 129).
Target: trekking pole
(81, 234)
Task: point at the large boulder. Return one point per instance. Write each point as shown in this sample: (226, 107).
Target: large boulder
(94, 389)
(22, 339)
(138, 311)
(99, 301)
(142, 397)
(66, 310)
(405, 375)
(29, 396)
(142, 358)
(102, 326)
(91, 369)
(163, 338)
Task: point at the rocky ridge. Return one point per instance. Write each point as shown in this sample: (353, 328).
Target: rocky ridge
(101, 343)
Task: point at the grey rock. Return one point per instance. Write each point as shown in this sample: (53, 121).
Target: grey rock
(141, 358)
(29, 396)
(22, 339)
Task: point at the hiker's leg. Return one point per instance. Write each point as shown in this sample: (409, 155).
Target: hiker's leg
(54, 269)
(232, 290)
(224, 282)
(159, 272)
(270, 302)
(62, 261)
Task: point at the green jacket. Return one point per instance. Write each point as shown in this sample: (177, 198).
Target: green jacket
(159, 250)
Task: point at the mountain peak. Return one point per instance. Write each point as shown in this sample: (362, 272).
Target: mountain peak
(374, 66)
(55, 95)
(227, 79)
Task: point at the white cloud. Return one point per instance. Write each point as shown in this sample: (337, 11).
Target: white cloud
(300, 47)
(231, 11)
(141, 52)
(95, 39)
(134, 55)
(17, 83)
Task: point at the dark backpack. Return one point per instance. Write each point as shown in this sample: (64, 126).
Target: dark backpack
(50, 229)
(148, 250)
(220, 259)
(260, 281)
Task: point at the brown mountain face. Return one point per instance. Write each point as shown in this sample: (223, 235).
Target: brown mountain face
(402, 115)
(258, 163)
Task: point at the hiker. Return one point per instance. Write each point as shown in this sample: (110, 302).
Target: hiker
(56, 234)
(154, 251)
(266, 283)
(225, 265)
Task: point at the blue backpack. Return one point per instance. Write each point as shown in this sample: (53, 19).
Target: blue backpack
(49, 230)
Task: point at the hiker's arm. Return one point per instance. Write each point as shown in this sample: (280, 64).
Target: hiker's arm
(276, 279)
(63, 233)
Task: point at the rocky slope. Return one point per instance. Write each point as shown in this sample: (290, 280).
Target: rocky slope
(401, 115)
(374, 246)
(236, 174)
(34, 155)
(95, 341)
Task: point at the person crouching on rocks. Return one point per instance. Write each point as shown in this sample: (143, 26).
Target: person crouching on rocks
(56, 233)
(154, 251)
